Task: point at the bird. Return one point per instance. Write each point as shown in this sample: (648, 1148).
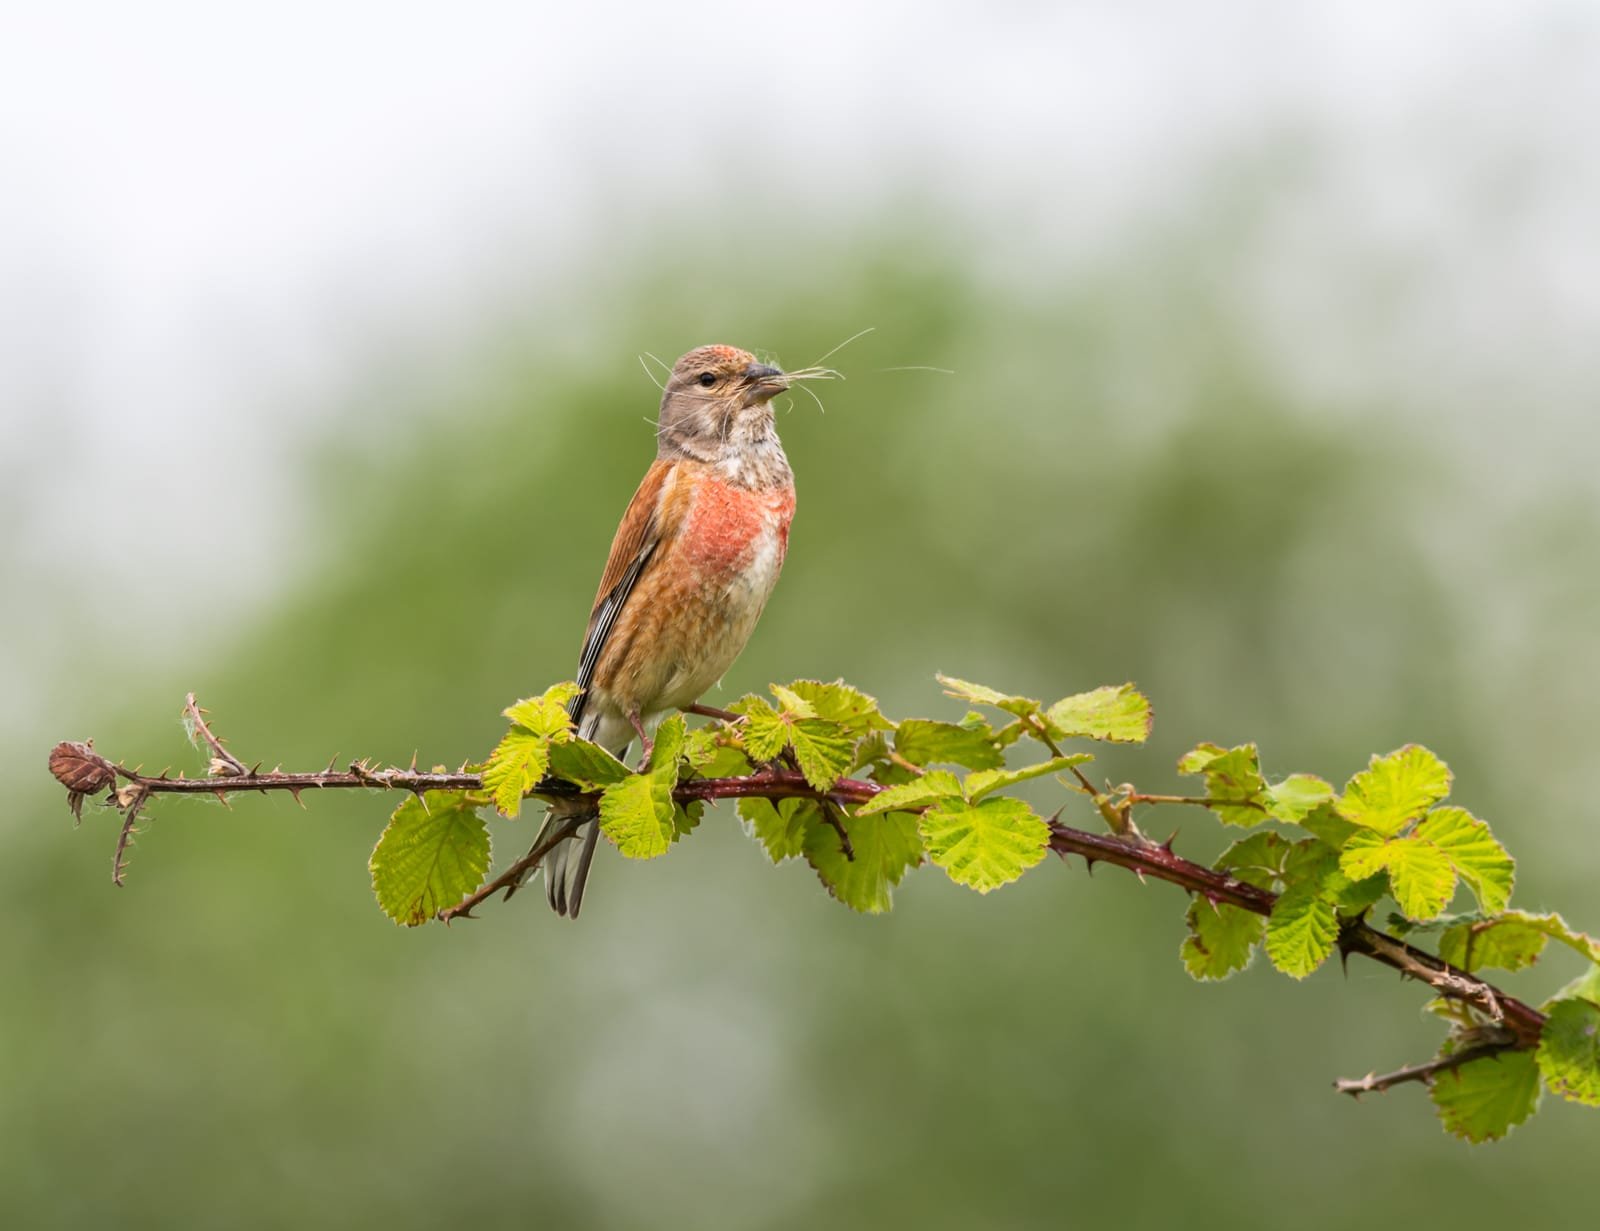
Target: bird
(694, 560)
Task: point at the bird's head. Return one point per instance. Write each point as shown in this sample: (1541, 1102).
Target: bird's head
(717, 399)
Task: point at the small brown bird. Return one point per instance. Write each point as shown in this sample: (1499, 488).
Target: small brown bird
(691, 567)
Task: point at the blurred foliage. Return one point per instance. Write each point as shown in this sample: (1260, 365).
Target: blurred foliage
(1114, 484)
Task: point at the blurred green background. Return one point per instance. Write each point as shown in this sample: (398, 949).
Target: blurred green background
(1127, 474)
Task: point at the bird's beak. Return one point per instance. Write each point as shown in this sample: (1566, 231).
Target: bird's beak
(763, 382)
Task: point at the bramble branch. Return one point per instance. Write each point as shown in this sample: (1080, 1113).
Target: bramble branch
(1509, 1023)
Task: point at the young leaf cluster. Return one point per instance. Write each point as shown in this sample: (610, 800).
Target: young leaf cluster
(1331, 857)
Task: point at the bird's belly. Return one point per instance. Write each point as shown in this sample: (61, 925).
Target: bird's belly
(731, 553)
(710, 588)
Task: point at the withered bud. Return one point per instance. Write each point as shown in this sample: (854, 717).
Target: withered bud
(81, 769)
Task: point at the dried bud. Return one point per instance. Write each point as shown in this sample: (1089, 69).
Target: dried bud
(82, 770)
(79, 768)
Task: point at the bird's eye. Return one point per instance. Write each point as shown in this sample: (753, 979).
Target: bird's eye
(707, 379)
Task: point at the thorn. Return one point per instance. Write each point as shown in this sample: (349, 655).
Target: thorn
(222, 798)
(1139, 872)
(413, 768)
(1088, 864)
(1171, 838)
(255, 770)
(295, 792)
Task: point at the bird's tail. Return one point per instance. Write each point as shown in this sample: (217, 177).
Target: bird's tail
(566, 866)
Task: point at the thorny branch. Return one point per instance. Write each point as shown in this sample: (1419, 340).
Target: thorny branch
(1488, 1041)
(1508, 1023)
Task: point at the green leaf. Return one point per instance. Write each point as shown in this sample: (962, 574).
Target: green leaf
(839, 703)
(1257, 860)
(944, 743)
(781, 825)
(1222, 939)
(1569, 1050)
(1355, 896)
(433, 853)
(885, 848)
(1118, 714)
(1504, 943)
(1555, 927)
(1395, 789)
(984, 845)
(1326, 823)
(1232, 774)
(791, 702)
(1296, 797)
(727, 761)
(987, 781)
(514, 767)
(585, 764)
(544, 715)
(1474, 853)
(520, 759)
(1421, 877)
(980, 694)
(637, 814)
(1484, 1099)
(919, 792)
(1301, 931)
(764, 730)
(823, 748)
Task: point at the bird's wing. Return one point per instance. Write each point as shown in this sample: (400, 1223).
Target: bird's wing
(651, 517)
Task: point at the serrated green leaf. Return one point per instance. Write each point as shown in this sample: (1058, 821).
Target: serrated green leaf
(987, 781)
(1232, 774)
(1296, 797)
(791, 702)
(1421, 878)
(1484, 1099)
(433, 853)
(1395, 789)
(514, 767)
(886, 847)
(839, 703)
(637, 814)
(1355, 896)
(1557, 928)
(686, 818)
(588, 765)
(701, 746)
(1325, 822)
(781, 825)
(934, 785)
(547, 714)
(1301, 931)
(980, 694)
(1474, 852)
(1256, 860)
(1222, 939)
(944, 743)
(984, 845)
(823, 748)
(1569, 1050)
(1504, 943)
(764, 731)
(727, 761)
(1118, 714)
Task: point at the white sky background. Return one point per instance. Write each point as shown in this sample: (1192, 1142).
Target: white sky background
(204, 207)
